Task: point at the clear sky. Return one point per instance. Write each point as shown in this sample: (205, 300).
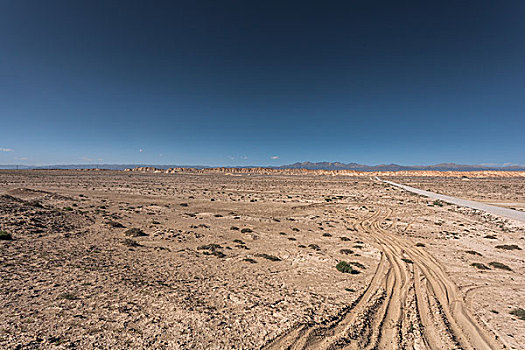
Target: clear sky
(262, 82)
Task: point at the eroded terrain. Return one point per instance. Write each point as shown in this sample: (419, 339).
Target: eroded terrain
(121, 260)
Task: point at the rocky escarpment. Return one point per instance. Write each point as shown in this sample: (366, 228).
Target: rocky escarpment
(270, 171)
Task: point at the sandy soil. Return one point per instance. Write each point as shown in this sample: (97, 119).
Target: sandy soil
(247, 261)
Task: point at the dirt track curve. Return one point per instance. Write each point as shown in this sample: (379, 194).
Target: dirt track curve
(410, 303)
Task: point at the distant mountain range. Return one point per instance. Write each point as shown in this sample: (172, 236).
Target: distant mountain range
(303, 165)
(397, 167)
(97, 166)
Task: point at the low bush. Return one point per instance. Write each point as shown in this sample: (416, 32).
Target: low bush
(68, 296)
(268, 257)
(499, 265)
(135, 232)
(5, 236)
(211, 246)
(130, 242)
(519, 313)
(480, 266)
(212, 249)
(508, 247)
(115, 224)
(345, 267)
(472, 252)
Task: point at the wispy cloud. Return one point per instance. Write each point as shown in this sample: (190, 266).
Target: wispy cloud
(6, 150)
(275, 157)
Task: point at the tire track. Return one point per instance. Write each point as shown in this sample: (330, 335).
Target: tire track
(409, 303)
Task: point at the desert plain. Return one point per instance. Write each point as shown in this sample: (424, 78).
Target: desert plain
(219, 260)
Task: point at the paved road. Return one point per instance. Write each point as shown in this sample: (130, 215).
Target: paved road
(504, 212)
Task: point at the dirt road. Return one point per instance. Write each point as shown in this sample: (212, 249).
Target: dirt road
(505, 212)
(410, 303)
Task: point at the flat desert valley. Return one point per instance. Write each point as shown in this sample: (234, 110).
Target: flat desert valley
(217, 260)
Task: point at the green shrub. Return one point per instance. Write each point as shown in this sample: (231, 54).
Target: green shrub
(508, 247)
(130, 242)
(268, 257)
(345, 267)
(212, 249)
(211, 246)
(68, 296)
(5, 236)
(135, 232)
(480, 266)
(115, 224)
(499, 265)
(473, 252)
(519, 313)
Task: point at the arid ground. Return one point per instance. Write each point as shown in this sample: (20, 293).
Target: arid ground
(130, 260)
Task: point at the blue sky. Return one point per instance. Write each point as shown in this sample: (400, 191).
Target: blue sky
(262, 82)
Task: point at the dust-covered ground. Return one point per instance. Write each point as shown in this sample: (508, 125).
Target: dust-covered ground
(117, 260)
